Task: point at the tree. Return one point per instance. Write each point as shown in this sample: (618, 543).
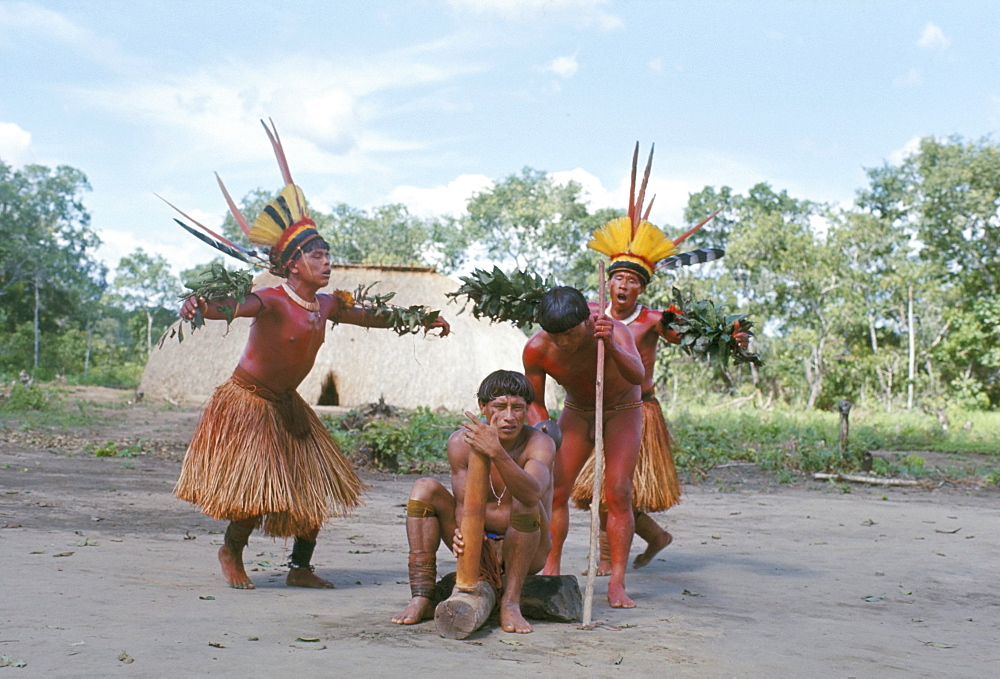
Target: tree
(945, 198)
(48, 274)
(529, 221)
(390, 235)
(144, 283)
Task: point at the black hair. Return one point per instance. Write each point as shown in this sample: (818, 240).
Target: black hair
(314, 244)
(505, 383)
(562, 308)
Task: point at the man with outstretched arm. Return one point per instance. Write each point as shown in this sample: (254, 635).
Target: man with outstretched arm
(518, 504)
(566, 350)
(260, 457)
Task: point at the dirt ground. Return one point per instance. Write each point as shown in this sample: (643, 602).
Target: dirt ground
(106, 573)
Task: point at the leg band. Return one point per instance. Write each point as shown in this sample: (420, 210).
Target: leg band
(423, 572)
(605, 546)
(526, 523)
(237, 536)
(302, 552)
(419, 509)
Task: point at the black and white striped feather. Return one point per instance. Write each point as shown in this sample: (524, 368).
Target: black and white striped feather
(699, 256)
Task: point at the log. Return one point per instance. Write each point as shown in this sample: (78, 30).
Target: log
(464, 612)
(556, 598)
(874, 480)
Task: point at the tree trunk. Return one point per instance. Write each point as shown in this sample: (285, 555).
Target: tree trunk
(86, 356)
(912, 348)
(38, 304)
(149, 332)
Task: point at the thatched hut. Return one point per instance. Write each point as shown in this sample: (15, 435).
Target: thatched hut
(356, 366)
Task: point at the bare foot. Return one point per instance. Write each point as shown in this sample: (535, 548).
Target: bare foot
(553, 570)
(304, 577)
(419, 608)
(603, 568)
(617, 597)
(654, 546)
(511, 619)
(232, 569)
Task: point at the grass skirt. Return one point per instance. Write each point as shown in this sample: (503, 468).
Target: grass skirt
(655, 485)
(256, 454)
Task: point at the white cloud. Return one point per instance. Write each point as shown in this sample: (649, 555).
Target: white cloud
(322, 109)
(579, 13)
(25, 21)
(656, 65)
(449, 199)
(15, 145)
(908, 149)
(564, 67)
(911, 78)
(933, 38)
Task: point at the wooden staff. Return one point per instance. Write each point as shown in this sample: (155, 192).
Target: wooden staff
(595, 497)
(473, 521)
(472, 601)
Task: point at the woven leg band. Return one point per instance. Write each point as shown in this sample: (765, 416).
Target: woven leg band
(423, 572)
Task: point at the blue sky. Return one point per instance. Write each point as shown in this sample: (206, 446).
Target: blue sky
(425, 101)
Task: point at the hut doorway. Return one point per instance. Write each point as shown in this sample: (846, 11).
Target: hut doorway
(329, 396)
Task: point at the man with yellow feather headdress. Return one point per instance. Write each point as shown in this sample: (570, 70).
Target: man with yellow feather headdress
(260, 457)
(637, 249)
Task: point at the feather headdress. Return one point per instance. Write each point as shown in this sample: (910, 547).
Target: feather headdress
(283, 226)
(636, 245)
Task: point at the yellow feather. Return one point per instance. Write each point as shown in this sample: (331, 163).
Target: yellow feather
(612, 238)
(651, 243)
(288, 208)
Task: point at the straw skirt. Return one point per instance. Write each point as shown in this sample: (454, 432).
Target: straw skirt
(257, 454)
(655, 485)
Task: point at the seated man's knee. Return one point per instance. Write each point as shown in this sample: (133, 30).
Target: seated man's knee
(526, 522)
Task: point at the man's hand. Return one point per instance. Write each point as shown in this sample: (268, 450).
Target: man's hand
(742, 338)
(604, 327)
(482, 437)
(457, 543)
(440, 323)
(193, 305)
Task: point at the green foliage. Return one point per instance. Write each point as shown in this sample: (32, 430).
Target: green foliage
(499, 296)
(22, 398)
(410, 441)
(111, 449)
(808, 441)
(529, 220)
(707, 330)
(402, 320)
(215, 283)
(390, 235)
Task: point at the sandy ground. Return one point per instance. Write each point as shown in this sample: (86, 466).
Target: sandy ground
(106, 574)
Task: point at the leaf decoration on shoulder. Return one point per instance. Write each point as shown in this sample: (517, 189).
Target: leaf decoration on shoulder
(499, 296)
(707, 330)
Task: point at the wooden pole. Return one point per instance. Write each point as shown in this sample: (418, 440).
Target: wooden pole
(473, 521)
(595, 498)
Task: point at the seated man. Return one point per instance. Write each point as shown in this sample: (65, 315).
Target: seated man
(519, 499)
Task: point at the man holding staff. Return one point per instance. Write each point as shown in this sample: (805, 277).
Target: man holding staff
(636, 248)
(566, 350)
(518, 500)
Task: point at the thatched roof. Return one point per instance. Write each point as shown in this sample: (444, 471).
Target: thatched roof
(361, 365)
